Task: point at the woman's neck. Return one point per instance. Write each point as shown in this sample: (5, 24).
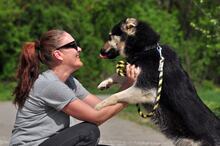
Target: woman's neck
(62, 73)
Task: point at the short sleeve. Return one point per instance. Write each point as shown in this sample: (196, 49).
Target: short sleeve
(58, 95)
(77, 88)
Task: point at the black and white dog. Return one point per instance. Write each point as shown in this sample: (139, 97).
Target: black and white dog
(181, 115)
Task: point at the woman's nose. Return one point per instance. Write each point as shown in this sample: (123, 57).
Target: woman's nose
(79, 49)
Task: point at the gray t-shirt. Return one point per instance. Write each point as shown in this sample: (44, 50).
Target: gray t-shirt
(41, 115)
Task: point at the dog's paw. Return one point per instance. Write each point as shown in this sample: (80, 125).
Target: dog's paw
(98, 106)
(108, 101)
(105, 84)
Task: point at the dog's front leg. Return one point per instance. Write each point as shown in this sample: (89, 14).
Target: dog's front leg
(114, 79)
(131, 95)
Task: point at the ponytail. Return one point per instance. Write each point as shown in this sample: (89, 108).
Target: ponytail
(27, 73)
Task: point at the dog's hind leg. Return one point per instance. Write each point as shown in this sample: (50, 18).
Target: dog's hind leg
(131, 95)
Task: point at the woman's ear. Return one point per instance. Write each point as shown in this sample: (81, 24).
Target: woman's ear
(58, 55)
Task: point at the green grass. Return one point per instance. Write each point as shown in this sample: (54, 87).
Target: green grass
(209, 93)
(6, 89)
(130, 113)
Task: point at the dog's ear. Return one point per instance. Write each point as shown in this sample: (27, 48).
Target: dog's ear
(129, 26)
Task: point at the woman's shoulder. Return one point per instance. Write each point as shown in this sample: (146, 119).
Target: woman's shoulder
(48, 75)
(45, 79)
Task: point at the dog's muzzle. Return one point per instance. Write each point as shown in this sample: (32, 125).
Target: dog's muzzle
(110, 54)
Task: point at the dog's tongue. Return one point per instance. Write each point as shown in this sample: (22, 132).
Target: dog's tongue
(103, 57)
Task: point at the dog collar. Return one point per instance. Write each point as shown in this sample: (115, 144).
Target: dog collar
(133, 59)
(151, 47)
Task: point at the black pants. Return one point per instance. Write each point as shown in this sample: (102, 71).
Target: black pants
(82, 134)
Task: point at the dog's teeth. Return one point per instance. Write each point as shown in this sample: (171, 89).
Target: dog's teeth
(103, 56)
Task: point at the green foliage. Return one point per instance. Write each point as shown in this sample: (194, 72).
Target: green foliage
(89, 21)
(205, 22)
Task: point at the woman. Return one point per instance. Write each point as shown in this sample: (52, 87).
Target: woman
(45, 101)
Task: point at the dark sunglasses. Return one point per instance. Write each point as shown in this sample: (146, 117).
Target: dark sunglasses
(70, 45)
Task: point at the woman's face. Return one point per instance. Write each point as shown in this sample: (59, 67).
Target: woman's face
(70, 52)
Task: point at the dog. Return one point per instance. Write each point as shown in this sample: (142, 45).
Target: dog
(181, 115)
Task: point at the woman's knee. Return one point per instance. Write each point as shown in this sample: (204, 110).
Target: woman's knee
(93, 129)
(90, 135)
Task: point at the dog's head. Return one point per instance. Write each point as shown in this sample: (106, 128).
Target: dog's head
(128, 37)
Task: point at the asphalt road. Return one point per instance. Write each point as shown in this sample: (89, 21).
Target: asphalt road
(115, 132)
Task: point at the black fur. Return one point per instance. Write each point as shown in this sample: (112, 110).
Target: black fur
(181, 113)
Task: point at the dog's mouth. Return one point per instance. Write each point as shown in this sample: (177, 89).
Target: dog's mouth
(110, 54)
(103, 57)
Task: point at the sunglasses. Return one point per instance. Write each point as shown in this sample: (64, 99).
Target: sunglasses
(70, 45)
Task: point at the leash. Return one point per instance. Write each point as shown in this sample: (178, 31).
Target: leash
(121, 71)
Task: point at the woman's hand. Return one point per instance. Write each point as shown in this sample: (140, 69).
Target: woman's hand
(132, 73)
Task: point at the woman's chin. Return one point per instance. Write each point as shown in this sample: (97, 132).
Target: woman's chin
(79, 64)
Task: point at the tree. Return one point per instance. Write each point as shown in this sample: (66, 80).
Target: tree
(193, 35)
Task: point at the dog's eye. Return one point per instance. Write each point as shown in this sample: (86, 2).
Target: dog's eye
(109, 37)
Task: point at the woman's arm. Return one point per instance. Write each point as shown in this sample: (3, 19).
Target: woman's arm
(82, 111)
(91, 100)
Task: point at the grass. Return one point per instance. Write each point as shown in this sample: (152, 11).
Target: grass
(209, 93)
(6, 89)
